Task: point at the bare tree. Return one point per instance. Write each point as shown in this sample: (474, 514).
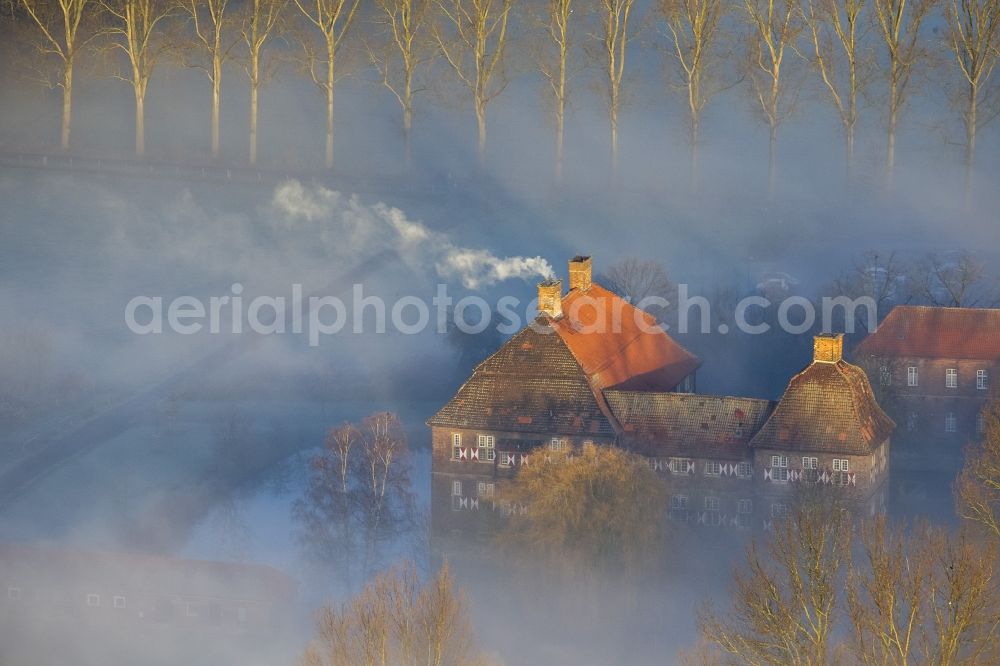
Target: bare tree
(978, 485)
(341, 442)
(640, 281)
(958, 281)
(553, 61)
(974, 39)
(886, 590)
(614, 34)
(333, 19)
(599, 508)
(775, 29)
(396, 621)
(694, 34)
(401, 51)
(785, 603)
(135, 29)
(62, 31)
(260, 21)
(898, 22)
(836, 30)
(884, 277)
(383, 444)
(211, 21)
(472, 36)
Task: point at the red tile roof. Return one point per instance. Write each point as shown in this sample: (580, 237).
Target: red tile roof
(620, 346)
(828, 407)
(930, 332)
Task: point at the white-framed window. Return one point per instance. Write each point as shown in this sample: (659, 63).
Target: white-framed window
(486, 490)
(487, 448)
(456, 488)
(557, 445)
(744, 470)
(14, 593)
(506, 459)
(713, 468)
(780, 474)
(982, 380)
(951, 378)
(980, 424)
(885, 376)
(911, 421)
(778, 510)
(810, 463)
(678, 501)
(950, 422)
(711, 504)
(744, 506)
(119, 602)
(456, 444)
(779, 461)
(681, 466)
(912, 379)
(841, 465)
(93, 600)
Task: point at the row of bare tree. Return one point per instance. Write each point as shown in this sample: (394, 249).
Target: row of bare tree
(847, 45)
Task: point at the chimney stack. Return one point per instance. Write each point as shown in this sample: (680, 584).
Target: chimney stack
(550, 297)
(580, 273)
(828, 348)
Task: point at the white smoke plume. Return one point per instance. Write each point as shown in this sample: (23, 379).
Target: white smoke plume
(357, 227)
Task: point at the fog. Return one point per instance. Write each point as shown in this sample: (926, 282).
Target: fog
(197, 448)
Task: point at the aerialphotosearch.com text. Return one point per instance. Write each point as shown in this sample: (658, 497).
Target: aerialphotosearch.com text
(317, 316)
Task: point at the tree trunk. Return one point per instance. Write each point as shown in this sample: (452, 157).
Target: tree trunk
(772, 161)
(849, 131)
(408, 120)
(254, 88)
(407, 136)
(216, 97)
(481, 124)
(140, 123)
(560, 134)
(329, 111)
(695, 128)
(614, 141)
(890, 151)
(67, 113)
(970, 140)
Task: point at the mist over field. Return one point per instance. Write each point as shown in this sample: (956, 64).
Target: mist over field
(196, 462)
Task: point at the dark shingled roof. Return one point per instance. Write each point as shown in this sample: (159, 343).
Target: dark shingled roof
(926, 332)
(828, 407)
(687, 424)
(532, 384)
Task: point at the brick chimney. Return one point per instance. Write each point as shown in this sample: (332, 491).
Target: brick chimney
(580, 273)
(828, 348)
(550, 297)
